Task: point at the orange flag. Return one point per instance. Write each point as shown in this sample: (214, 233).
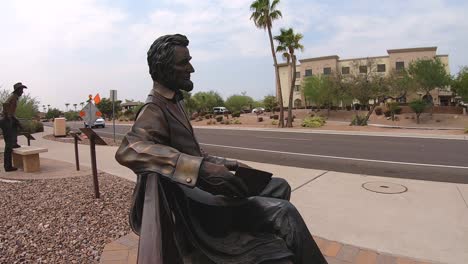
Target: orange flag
(97, 99)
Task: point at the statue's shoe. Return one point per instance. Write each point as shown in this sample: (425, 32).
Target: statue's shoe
(11, 169)
(16, 146)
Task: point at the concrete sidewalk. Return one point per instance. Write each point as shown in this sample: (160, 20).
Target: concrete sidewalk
(429, 221)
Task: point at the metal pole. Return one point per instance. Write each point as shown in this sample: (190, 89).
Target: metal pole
(94, 166)
(77, 158)
(113, 113)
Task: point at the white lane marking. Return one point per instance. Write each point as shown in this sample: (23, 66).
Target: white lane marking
(339, 158)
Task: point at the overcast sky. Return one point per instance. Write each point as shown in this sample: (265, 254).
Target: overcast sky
(65, 50)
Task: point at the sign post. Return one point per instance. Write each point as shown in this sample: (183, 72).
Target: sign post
(113, 96)
(76, 136)
(93, 140)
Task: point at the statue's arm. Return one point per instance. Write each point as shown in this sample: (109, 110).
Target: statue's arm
(145, 149)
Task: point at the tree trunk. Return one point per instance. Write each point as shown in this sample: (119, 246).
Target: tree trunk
(372, 110)
(417, 118)
(291, 92)
(278, 83)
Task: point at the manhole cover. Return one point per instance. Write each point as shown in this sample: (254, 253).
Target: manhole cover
(384, 187)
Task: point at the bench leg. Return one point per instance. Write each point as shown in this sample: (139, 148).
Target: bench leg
(17, 161)
(31, 163)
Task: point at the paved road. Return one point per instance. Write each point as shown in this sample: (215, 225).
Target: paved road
(413, 158)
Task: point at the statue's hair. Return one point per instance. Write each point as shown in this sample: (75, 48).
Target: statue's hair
(161, 55)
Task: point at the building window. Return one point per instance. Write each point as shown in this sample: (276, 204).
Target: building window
(297, 88)
(298, 75)
(400, 65)
(327, 70)
(345, 70)
(362, 69)
(380, 67)
(308, 72)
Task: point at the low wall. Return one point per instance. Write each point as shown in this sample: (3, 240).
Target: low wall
(454, 110)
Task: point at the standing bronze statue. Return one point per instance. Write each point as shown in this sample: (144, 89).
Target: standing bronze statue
(187, 205)
(10, 125)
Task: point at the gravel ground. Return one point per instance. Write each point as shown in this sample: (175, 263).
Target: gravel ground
(84, 141)
(59, 221)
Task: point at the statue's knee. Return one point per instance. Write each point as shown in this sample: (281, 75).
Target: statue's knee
(284, 187)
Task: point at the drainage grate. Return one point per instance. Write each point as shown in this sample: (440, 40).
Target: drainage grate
(384, 187)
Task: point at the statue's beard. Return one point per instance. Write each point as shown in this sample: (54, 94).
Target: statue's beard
(178, 84)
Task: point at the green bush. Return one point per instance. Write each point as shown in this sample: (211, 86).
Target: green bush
(236, 114)
(236, 122)
(316, 121)
(72, 116)
(359, 120)
(466, 130)
(31, 126)
(275, 122)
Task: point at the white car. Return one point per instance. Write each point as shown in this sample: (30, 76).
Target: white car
(258, 110)
(100, 122)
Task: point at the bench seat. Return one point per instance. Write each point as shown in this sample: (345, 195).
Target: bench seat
(27, 157)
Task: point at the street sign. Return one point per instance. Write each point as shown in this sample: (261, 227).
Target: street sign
(90, 113)
(113, 95)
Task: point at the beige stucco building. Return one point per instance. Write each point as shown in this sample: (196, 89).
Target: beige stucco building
(396, 59)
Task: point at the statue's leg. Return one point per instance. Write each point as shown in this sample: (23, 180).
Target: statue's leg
(282, 218)
(277, 188)
(7, 158)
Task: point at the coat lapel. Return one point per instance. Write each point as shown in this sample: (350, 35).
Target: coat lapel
(174, 111)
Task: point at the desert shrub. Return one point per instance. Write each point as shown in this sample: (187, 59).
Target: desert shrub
(211, 122)
(275, 117)
(199, 118)
(387, 113)
(31, 126)
(72, 116)
(275, 122)
(236, 114)
(378, 111)
(236, 122)
(348, 108)
(359, 120)
(219, 118)
(316, 121)
(67, 130)
(259, 119)
(466, 130)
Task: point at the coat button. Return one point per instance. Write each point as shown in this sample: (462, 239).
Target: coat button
(188, 180)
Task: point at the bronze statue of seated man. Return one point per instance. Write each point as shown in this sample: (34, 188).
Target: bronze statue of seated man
(201, 210)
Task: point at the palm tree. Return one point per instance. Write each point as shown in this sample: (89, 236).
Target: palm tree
(288, 42)
(82, 104)
(48, 107)
(43, 108)
(263, 16)
(67, 104)
(75, 105)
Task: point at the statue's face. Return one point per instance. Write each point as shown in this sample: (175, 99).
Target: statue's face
(19, 92)
(180, 79)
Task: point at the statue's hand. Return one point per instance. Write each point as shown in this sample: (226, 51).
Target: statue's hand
(217, 179)
(232, 165)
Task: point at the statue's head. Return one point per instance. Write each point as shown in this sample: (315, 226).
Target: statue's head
(169, 62)
(18, 88)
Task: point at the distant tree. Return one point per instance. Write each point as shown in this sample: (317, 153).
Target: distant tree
(320, 89)
(75, 105)
(263, 15)
(376, 87)
(82, 104)
(53, 113)
(288, 43)
(418, 107)
(460, 84)
(66, 105)
(205, 101)
(105, 107)
(72, 116)
(190, 104)
(270, 103)
(239, 102)
(428, 75)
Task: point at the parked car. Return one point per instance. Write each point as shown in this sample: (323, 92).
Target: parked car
(258, 110)
(100, 122)
(220, 110)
